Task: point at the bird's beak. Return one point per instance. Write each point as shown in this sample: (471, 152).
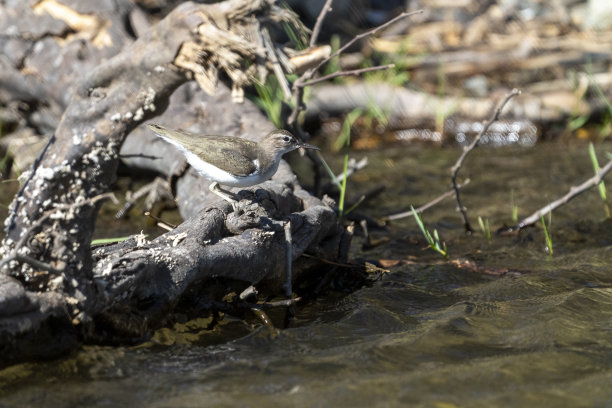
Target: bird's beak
(308, 146)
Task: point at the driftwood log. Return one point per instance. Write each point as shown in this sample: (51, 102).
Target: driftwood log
(548, 103)
(65, 59)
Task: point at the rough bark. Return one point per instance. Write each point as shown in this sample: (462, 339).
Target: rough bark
(54, 291)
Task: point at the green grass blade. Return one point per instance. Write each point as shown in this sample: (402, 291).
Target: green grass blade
(343, 187)
(595, 162)
(547, 236)
(329, 171)
(514, 207)
(104, 241)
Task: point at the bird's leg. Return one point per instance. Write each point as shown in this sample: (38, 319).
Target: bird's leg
(226, 195)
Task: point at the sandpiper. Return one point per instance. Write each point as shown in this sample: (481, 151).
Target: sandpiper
(232, 161)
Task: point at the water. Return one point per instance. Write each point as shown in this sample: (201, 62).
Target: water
(511, 326)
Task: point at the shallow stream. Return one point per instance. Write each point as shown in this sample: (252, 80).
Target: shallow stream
(502, 323)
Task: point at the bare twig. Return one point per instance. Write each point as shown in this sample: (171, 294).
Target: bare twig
(248, 292)
(159, 222)
(281, 303)
(328, 262)
(352, 167)
(364, 227)
(306, 78)
(238, 306)
(371, 242)
(147, 189)
(428, 205)
(35, 263)
(572, 193)
(288, 259)
(276, 66)
(306, 59)
(317, 27)
(298, 106)
(366, 34)
(347, 73)
(455, 169)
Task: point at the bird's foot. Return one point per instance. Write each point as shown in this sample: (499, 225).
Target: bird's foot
(226, 195)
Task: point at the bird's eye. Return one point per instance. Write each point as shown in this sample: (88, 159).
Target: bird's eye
(286, 139)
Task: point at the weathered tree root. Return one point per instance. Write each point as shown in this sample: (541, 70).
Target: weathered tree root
(124, 291)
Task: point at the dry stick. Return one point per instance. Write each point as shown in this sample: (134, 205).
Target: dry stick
(317, 27)
(281, 303)
(276, 67)
(455, 169)
(353, 167)
(573, 192)
(15, 256)
(248, 292)
(146, 189)
(257, 309)
(298, 91)
(159, 222)
(362, 35)
(306, 77)
(298, 106)
(427, 205)
(289, 312)
(347, 73)
(35, 263)
(288, 257)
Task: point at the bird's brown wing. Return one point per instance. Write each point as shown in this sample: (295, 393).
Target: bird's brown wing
(225, 154)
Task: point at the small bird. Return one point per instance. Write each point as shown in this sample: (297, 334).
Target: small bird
(232, 161)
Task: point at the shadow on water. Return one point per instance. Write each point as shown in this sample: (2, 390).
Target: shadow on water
(521, 329)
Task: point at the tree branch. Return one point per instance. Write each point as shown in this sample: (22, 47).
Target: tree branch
(365, 34)
(455, 169)
(317, 27)
(426, 206)
(305, 79)
(573, 192)
(347, 73)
